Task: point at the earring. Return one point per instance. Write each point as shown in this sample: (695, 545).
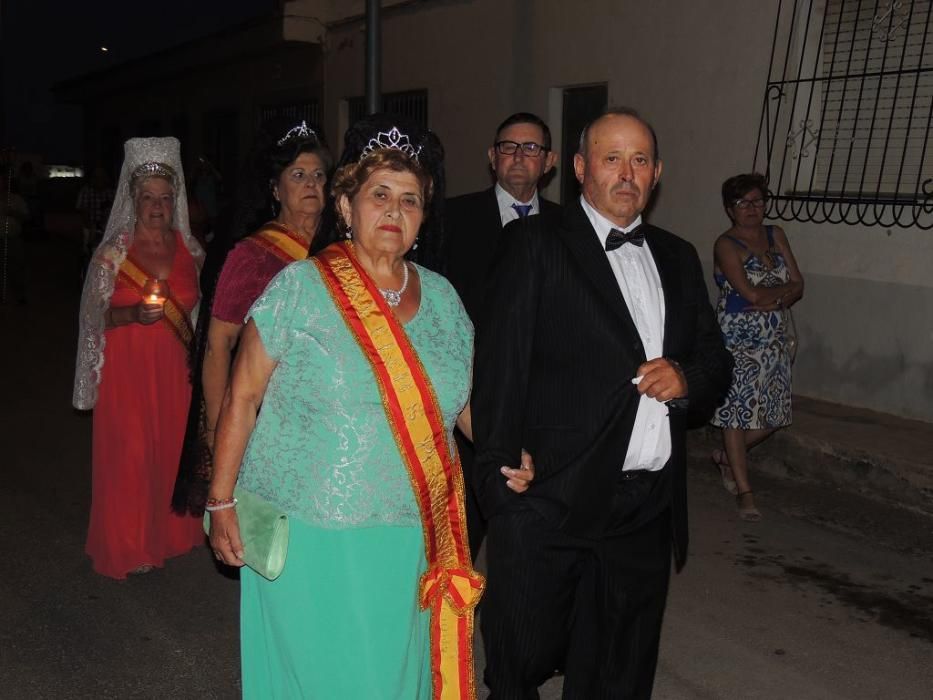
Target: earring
(415, 246)
(348, 233)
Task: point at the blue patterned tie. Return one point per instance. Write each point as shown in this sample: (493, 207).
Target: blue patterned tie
(522, 209)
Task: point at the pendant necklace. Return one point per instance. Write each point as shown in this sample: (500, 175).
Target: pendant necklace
(393, 297)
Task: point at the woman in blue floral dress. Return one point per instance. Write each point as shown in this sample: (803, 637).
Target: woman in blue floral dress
(758, 280)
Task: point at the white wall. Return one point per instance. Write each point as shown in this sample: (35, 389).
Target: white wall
(697, 71)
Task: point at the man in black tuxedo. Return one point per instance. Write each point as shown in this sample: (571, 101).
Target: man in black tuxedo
(598, 348)
(519, 156)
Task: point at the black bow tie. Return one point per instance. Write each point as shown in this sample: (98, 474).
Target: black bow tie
(618, 238)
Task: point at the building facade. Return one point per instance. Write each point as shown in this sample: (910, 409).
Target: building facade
(701, 72)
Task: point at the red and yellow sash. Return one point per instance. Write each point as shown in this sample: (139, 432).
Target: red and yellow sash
(174, 314)
(450, 587)
(281, 242)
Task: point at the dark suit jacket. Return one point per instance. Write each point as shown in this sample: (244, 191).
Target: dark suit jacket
(554, 363)
(472, 235)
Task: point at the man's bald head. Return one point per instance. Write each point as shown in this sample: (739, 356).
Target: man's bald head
(617, 112)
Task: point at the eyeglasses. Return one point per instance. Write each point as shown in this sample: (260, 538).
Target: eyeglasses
(746, 203)
(510, 148)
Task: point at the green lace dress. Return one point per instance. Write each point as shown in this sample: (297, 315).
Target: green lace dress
(342, 621)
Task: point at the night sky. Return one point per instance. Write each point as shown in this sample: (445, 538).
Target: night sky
(45, 41)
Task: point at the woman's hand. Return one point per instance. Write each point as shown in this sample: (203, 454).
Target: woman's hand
(225, 537)
(520, 479)
(775, 305)
(148, 313)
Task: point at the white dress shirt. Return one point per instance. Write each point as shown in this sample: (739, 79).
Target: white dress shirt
(638, 279)
(506, 212)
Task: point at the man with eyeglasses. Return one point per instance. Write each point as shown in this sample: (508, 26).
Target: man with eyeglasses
(519, 157)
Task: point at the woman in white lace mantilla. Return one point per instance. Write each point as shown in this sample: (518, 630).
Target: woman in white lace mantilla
(132, 362)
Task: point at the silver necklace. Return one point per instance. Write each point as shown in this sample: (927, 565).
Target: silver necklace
(393, 297)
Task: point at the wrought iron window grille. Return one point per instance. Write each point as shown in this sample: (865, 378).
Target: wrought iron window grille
(410, 103)
(844, 134)
(309, 111)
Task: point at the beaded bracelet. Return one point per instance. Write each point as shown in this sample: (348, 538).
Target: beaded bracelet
(214, 504)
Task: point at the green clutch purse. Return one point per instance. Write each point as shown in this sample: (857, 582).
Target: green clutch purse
(264, 532)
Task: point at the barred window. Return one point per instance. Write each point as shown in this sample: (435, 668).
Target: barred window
(309, 111)
(844, 135)
(410, 103)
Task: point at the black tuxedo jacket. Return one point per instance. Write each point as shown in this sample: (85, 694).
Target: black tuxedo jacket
(554, 363)
(473, 238)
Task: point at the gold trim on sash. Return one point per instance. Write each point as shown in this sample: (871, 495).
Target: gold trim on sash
(450, 588)
(281, 242)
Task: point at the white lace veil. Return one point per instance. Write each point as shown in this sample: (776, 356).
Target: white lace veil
(147, 154)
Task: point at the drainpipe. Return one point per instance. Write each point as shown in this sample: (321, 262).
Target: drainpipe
(373, 57)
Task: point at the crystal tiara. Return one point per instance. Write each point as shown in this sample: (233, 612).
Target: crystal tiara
(300, 131)
(155, 169)
(393, 138)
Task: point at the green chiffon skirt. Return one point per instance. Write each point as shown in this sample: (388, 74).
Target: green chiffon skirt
(342, 622)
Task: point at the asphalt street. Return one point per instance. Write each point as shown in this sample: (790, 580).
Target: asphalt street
(830, 596)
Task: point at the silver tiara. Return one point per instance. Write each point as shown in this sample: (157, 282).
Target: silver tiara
(300, 131)
(393, 138)
(155, 169)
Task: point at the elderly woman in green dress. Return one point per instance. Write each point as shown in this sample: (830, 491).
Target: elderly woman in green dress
(361, 362)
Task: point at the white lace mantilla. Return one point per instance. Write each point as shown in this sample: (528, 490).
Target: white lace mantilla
(110, 254)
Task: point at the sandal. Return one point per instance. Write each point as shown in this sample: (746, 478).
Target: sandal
(748, 512)
(142, 569)
(725, 471)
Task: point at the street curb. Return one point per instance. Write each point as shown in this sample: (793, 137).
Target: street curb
(790, 454)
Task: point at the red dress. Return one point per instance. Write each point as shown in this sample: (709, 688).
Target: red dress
(139, 425)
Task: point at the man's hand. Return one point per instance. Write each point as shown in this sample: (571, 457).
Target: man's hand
(520, 479)
(662, 380)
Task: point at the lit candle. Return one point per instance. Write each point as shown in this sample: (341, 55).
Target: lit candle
(154, 292)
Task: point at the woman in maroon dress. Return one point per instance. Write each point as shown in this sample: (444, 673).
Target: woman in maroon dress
(296, 173)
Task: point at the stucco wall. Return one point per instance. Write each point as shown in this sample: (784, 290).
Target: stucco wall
(451, 49)
(697, 71)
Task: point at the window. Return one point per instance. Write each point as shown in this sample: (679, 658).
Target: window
(411, 103)
(844, 135)
(309, 111)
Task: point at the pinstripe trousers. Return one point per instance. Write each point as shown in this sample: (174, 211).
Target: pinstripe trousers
(592, 608)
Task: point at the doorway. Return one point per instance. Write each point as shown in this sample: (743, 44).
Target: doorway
(581, 105)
